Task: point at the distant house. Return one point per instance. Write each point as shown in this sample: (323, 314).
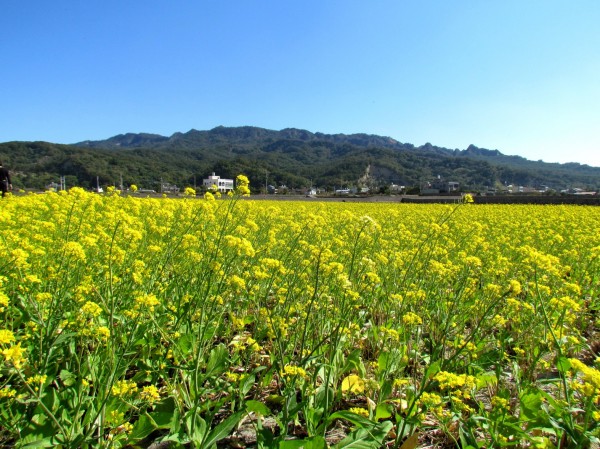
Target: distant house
(584, 193)
(223, 185)
(453, 186)
(440, 186)
(165, 187)
(395, 188)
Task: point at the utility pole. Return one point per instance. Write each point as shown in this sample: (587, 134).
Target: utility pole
(266, 187)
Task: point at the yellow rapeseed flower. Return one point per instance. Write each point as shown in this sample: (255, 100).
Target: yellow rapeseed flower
(15, 355)
(6, 336)
(411, 318)
(123, 388)
(292, 371)
(3, 301)
(147, 300)
(359, 411)
(353, 384)
(92, 309)
(150, 393)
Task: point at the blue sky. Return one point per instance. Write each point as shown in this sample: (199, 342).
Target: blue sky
(520, 76)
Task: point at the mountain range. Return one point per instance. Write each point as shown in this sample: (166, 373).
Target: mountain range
(293, 157)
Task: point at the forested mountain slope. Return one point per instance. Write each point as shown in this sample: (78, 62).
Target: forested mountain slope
(294, 157)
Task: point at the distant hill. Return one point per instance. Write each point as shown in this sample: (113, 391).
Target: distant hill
(294, 157)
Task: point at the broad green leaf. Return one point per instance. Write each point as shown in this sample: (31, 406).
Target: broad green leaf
(223, 429)
(383, 361)
(313, 418)
(257, 407)
(185, 344)
(307, 443)
(366, 438)
(563, 365)
(275, 399)
(485, 379)
(353, 363)
(246, 384)
(143, 427)
(31, 443)
(531, 403)
(217, 362)
(38, 433)
(67, 377)
(355, 419)
(386, 389)
(383, 411)
(167, 405)
(196, 427)
(163, 420)
(265, 437)
(324, 397)
(432, 369)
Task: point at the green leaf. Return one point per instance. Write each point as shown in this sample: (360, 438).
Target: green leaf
(143, 427)
(313, 418)
(324, 397)
(257, 407)
(531, 403)
(432, 369)
(265, 437)
(292, 405)
(217, 362)
(167, 405)
(196, 427)
(44, 442)
(89, 415)
(275, 399)
(386, 389)
(383, 411)
(307, 443)
(38, 433)
(353, 363)
(466, 436)
(185, 344)
(487, 378)
(366, 438)
(563, 365)
(383, 362)
(67, 377)
(355, 419)
(223, 429)
(247, 384)
(162, 420)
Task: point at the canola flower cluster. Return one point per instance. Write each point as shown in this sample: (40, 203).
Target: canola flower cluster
(117, 311)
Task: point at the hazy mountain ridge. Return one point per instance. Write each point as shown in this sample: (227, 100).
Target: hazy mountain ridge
(239, 135)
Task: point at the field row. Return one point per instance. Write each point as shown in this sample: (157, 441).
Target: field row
(223, 323)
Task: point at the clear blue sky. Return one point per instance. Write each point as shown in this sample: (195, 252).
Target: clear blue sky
(520, 76)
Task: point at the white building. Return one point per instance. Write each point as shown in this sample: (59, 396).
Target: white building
(223, 185)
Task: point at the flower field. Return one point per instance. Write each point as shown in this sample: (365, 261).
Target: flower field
(126, 321)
